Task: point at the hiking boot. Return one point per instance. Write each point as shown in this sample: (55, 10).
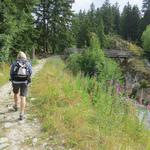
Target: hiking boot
(21, 117)
(15, 108)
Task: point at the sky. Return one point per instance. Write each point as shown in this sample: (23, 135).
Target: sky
(85, 4)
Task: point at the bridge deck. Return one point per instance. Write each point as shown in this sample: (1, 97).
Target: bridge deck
(118, 53)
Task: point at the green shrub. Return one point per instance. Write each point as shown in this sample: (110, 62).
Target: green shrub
(74, 62)
(111, 70)
(92, 62)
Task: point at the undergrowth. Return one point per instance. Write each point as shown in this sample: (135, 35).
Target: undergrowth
(4, 73)
(64, 104)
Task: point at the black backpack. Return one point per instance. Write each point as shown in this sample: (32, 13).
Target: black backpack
(20, 71)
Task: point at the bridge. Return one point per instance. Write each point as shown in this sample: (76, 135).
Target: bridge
(111, 53)
(120, 54)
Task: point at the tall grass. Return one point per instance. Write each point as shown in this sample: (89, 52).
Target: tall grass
(93, 63)
(64, 104)
(4, 73)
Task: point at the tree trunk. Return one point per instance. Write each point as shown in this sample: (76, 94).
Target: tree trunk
(44, 26)
(33, 53)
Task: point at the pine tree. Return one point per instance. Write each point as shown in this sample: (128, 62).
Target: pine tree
(92, 18)
(116, 16)
(130, 22)
(82, 37)
(100, 33)
(100, 27)
(16, 27)
(125, 22)
(107, 15)
(26, 37)
(8, 28)
(53, 22)
(135, 16)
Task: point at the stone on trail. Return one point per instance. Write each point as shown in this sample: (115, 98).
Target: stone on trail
(34, 141)
(3, 140)
(8, 125)
(4, 145)
(32, 99)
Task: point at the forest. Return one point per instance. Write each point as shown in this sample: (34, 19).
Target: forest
(51, 26)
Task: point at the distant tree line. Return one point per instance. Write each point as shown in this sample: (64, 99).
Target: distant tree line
(49, 26)
(108, 20)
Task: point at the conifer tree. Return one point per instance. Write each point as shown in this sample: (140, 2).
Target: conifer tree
(116, 16)
(53, 22)
(16, 27)
(107, 15)
(82, 37)
(129, 22)
(135, 16)
(125, 20)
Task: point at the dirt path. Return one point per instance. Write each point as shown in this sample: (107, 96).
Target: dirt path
(15, 134)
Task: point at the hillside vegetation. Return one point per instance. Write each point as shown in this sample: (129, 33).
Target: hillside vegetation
(64, 105)
(117, 43)
(4, 73)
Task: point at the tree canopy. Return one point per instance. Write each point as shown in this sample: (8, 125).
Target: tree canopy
(51, 26)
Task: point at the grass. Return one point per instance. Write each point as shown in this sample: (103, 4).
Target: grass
(65, 107)
(4, 73)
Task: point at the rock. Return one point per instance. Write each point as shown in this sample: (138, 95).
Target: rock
(8, 125)
(3, 140)
(44, 146)
(34, 141)
(32, 99)
(14, 147)
(50, 137)
(62, 148)
(141, 116)
(4, 145)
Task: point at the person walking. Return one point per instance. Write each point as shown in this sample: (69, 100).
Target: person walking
(20, 76)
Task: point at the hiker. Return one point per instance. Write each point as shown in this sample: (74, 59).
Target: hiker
(20, 76)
